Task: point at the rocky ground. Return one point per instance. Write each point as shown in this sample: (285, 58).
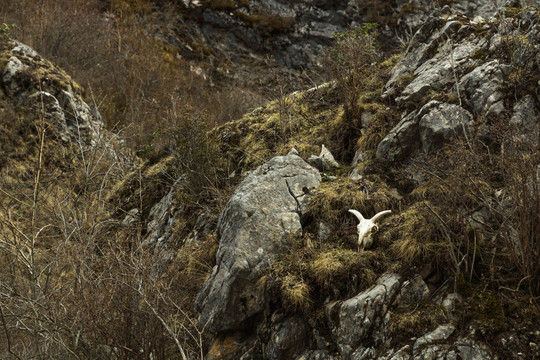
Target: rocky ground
(238, 243)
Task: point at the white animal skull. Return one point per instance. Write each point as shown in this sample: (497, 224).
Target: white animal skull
(366, 228)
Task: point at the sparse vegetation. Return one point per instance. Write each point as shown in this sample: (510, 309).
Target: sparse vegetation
(5, 30)
(77, 279)
(352, 60)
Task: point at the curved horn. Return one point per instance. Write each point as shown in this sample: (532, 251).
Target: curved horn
(382, 213)
(357, 214)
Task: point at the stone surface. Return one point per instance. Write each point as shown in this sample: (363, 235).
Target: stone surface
(526, 119)
(361, 315)
(255, 227)
(436, 58)
(401, 140)
(33, 82)
(482, 88)
(428, 128)
(450, 302)
(469, 349)
(288, 339)
(441, 333)
(316, 162)
(324, 162)
(444, 68)
(162, 217)
(441, 123)
(412, 291)
(328, 159)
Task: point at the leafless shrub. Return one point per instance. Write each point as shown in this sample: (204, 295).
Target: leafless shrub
(75, 282)
(350, 62)
(486, 200)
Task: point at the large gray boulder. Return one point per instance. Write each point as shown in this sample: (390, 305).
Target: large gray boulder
(256, 226)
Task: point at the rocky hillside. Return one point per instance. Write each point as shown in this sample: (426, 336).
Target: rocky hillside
(235, 241)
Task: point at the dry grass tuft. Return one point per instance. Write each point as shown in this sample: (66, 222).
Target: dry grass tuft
(295, 292)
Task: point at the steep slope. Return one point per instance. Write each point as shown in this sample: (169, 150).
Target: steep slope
(106, 256)
(467, 94)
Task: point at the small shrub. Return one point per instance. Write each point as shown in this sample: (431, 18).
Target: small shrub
(5, 30)
(351, 62)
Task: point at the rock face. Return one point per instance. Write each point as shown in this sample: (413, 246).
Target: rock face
(162, 217)
(33, 82)
(359, 316)
(255, 227)
(360, 326)
(434, 123)
(300, 29)
(526, 119)
(453, 56)
(288, 339)
(482, 88)
(450, 82)
(437, 56)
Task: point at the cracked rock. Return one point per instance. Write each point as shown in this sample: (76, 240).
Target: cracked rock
(255, 228)
(428, 129)
(359, 318)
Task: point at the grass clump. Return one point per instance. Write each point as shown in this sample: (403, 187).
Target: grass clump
(415, 237)
(332, 200)
(337, 266)
(295, 292)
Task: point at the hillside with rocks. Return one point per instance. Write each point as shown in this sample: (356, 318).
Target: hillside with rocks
(182, 188)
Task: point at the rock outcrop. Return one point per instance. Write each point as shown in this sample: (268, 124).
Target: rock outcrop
(454, 56)
(33, 82)
(428, 129)
(449, 83)
(364, 315)
(360, 326)
(256, 226)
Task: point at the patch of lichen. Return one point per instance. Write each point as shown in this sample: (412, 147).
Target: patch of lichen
(417, 318)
